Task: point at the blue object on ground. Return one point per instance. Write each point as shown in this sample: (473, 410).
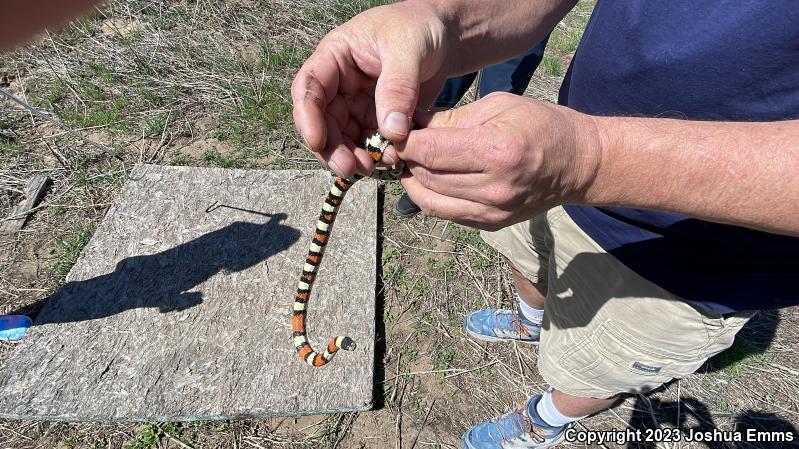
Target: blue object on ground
(14, 327)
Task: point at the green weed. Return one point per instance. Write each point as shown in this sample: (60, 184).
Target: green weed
(280, 164)
(344, 10)
(416, 404)
(409, 353)
(563, 41)
(92, 91)
(468, 237)
(447, 267)
(55, 93)
(81, 178)
(389, 255)
(154, 126)
(103, 72)
(10, 148)
(422, 286)
(722, 406)
(146, 95)
(741, 356)
(551, 65)
(69, 249)
(100, 115)
(178, 158)
(153, 433)
(265, 104)
(213, 156)
(388, 389)
(395, 188)
(442, 358)
(117, 151)
(150, 437)
(281, 57)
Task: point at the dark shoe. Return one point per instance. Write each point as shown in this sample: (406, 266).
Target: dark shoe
(405, 208)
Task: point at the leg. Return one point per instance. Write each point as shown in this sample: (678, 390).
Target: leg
(577, 406)
(528, 262)
(534, 294)
(607, 332)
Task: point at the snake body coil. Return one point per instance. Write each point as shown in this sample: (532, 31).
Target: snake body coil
(374, 146)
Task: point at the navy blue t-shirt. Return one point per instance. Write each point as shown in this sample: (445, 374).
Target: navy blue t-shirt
(732, 60)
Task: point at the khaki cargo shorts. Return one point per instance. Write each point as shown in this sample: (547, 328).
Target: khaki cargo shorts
(607, 330)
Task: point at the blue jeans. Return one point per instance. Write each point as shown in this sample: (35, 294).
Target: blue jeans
(509, 76)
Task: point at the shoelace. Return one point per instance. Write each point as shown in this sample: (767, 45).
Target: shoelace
(519, 326)
(516, 322)
(524, 424)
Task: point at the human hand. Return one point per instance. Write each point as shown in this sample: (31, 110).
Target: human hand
(500, 160)
(365, 75)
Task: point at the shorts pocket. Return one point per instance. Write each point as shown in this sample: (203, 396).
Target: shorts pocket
(615, 360)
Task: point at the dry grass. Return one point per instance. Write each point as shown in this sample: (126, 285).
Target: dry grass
(205, 82)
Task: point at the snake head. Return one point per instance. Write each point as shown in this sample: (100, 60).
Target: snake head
(347, 344)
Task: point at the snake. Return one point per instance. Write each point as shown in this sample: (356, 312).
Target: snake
(374, 146)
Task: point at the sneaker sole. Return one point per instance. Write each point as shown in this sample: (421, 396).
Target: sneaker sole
(406, 214)
(490, 339)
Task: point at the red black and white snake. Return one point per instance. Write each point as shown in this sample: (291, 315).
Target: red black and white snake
(375, 146)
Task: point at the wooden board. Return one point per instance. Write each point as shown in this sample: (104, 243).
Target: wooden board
(34, 189)
(179, 307)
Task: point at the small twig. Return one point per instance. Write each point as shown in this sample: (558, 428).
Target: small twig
(424, 421)
(435, 251)
(16, 433)
(398, 429)
(454, 371)
(52, 119)
(396, 380)
(61, 159)
(246, 439)
(177, 441)
(785, 368)
(439, 444)
(521, 369)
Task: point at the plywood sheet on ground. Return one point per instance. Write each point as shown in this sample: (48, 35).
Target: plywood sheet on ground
(180, 305)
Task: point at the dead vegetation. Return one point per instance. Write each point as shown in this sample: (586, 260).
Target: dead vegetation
(205, 82)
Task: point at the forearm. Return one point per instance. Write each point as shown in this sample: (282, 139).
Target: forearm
(483, 32)
(24, 18)
(739, 173)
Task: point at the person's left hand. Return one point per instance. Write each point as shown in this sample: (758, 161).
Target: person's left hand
(500, 160)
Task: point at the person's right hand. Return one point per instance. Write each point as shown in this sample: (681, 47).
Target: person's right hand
(369, 74)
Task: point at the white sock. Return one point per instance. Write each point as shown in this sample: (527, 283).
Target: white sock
(549, 413)
(529, 312)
